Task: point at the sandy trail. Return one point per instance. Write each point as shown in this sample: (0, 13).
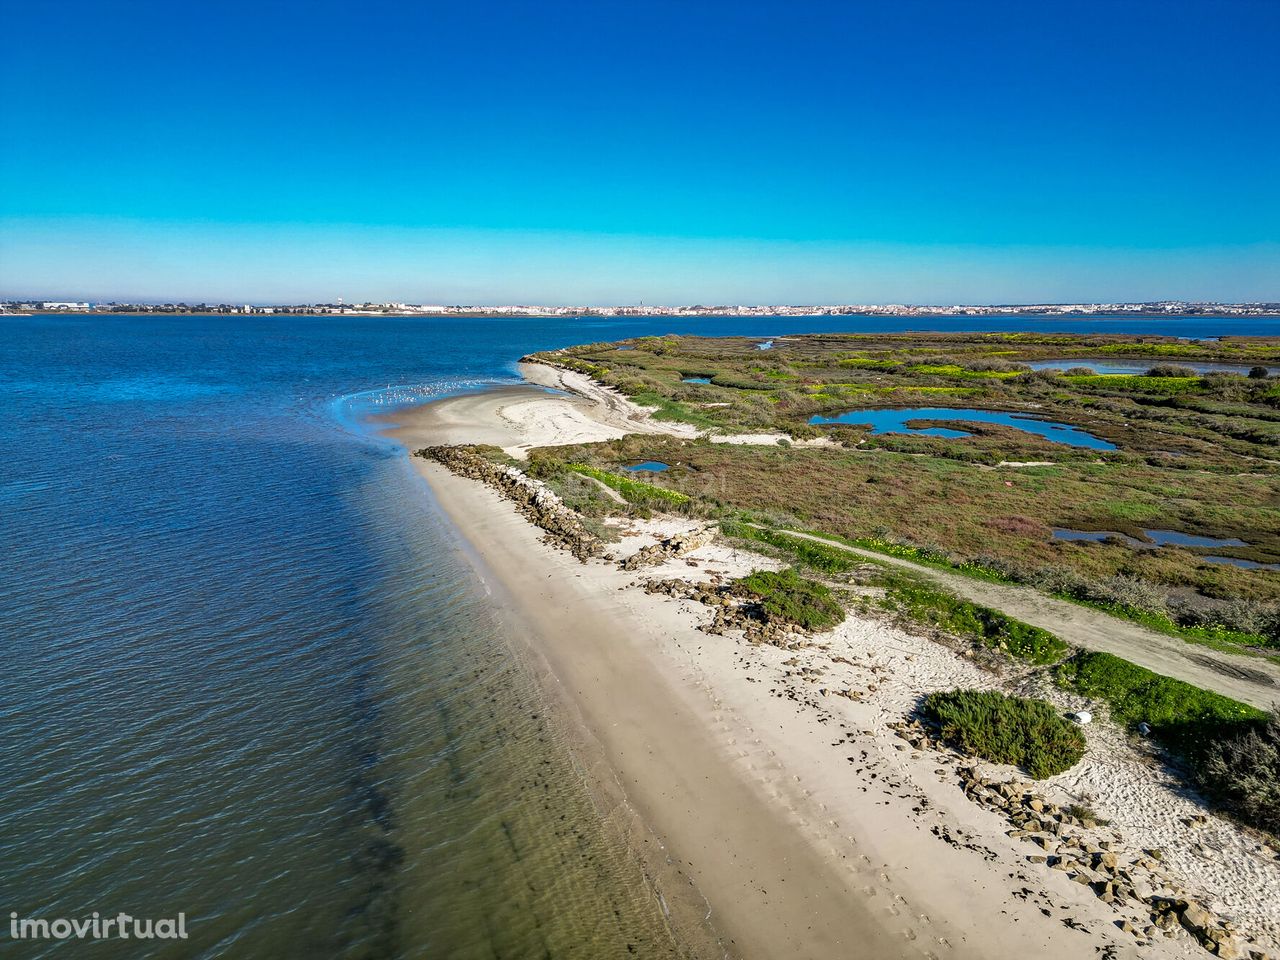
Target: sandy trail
(1252, 680)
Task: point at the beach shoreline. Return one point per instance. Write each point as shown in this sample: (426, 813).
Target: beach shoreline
(791, 847)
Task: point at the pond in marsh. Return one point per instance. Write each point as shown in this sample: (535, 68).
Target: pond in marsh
(895, 420)
(695, 379)
(1098, 365)
(1241, 562)
(1168, 538)
(648, 466)
(1155, 538)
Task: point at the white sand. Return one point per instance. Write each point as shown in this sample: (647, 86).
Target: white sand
(804, 823)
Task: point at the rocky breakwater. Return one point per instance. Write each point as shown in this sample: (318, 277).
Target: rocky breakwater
(533, 499)
(734, 609)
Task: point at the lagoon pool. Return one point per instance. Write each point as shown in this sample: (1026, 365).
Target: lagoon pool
(1140, 366)
(895, 420)
(1156, 538)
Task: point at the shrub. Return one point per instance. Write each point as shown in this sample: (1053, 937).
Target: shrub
(1080, 372)
(1027, 733)
(789, 598)
(1257, 373)
(1242, 770)
(1170, 370)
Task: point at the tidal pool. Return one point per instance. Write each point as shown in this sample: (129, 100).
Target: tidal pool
(1156, 538)
(1241, 562)
(1098, 365)
(895, 420)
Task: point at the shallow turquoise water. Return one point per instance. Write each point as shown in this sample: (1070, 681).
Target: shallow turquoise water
(247, 675)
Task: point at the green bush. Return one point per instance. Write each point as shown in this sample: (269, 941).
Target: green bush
(789, 598)
(1242, 770)
(1027, 733)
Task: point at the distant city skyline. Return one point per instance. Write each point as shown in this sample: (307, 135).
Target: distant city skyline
(571, 153)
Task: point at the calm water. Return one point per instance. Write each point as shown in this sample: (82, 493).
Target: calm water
(247, 675)
(895, 420)
(1141, 366)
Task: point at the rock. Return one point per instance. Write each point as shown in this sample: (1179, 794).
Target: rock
(666, 549)
(1196, 919)
(532, 498)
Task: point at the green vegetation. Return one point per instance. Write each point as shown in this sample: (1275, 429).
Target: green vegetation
(633, 491)
(997, 524)
(1027, 733)
(1242, 770)
(1230, 750)
(819, 556)
(1177, 712)
(991, 628)
(911, 597)
(789, 598)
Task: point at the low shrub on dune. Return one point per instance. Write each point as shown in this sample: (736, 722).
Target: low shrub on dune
(1026, 733)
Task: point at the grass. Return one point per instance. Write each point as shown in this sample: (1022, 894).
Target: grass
(909, 596)
(633, 491)
(1026, 733)
(1196, 455)
(1177, 712)
(990, 628)
(787, 597)
(818, 556)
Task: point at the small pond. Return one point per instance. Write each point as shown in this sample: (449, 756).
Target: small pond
(1157, 538)
(1164, 538)
(648, 466)
(765, 345)
(695, 379)
(1247, 564)
(895, 421)
(1098, 365)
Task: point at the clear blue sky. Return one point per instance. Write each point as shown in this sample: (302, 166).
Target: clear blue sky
(615, 152)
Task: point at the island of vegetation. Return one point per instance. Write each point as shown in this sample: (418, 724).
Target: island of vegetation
(973, 490)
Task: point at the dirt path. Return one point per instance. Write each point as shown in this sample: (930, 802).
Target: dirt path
(1251, 680)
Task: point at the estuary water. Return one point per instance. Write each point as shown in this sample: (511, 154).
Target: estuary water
(249, 678)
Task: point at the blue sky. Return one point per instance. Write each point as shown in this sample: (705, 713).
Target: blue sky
(665, 152)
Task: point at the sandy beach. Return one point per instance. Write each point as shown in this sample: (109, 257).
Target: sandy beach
(779, 812)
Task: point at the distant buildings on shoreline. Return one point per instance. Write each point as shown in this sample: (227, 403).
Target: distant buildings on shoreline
(1155, 308)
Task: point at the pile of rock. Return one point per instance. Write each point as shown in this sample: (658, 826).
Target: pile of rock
(1072, 842)
(667, 549)
(532, 498)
